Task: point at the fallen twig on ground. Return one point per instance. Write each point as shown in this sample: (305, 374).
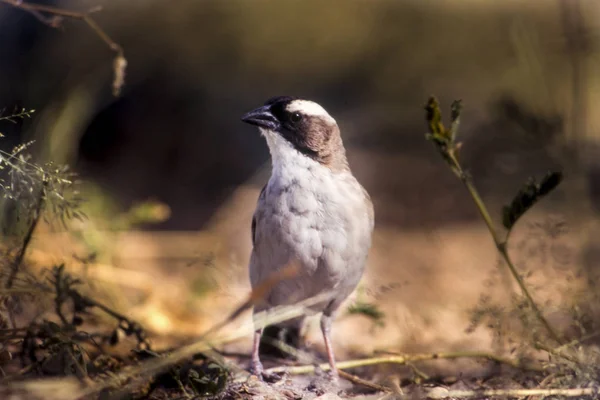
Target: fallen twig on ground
(407, 359)
(443, 393)
(359, 381)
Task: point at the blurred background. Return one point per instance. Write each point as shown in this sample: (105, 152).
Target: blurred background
(171, 175)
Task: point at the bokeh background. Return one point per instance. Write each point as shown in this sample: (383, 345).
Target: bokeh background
(173, 146)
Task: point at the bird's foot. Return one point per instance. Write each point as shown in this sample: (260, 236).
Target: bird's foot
(333, 376)
(325, 382)
(256, 368)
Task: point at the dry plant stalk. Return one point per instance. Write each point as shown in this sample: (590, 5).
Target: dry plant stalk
(406, 360)
(37, 214)
(445, 141)
(55, 20)
(443, 393)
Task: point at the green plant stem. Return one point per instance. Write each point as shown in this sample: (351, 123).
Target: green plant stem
(501, 245)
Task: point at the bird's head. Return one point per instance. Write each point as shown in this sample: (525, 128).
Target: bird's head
(294, 127)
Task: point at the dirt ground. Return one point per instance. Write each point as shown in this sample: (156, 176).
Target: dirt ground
(434, 281)
(426, 282)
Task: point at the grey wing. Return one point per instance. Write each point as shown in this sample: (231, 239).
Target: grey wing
(255, 270)
(255, 216)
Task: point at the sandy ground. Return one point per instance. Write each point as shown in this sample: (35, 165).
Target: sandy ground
(426, 281)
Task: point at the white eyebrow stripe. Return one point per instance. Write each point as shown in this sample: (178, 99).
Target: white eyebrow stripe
(311, 108)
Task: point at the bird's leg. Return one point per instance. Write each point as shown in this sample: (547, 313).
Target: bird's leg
(256, 367)
(326, 321)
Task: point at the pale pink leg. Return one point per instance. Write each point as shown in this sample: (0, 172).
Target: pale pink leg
(256, 367)
(326, 329)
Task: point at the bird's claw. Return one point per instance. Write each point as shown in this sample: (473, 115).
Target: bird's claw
(256, 368)
(333, 375)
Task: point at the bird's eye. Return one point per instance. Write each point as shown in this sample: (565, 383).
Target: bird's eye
(295, 117)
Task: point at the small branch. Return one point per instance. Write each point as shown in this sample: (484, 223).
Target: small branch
(82, 302)
(556, 352)
(420, 375)
(444, 139)
(305, 357)
(359, 381)
(577, 341)
(502, 248)
(38, 10)
(21, 254)
(84, 16)
(405, 360)
(18, 114)
(443, 393)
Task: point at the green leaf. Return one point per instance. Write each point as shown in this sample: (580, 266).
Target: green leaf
(433, 116)
(369, 310)
(530, 194)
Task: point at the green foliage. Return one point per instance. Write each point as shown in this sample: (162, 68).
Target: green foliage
(23, 113)
(368, 310)
(570, 363)
(25, 185)
(445, 142)
(145, 212)
(444, 139)
(531, 192)
(99, 233)
(437, 132)
(31, 192)
(209, 382)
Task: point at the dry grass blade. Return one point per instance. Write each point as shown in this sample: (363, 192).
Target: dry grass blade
(258, 294)
(443, 393)
(406, 359)
(359, 381)
(43, 389)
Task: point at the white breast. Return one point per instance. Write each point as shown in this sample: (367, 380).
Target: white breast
(313, 215)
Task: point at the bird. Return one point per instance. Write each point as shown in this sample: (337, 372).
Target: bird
(312, 212)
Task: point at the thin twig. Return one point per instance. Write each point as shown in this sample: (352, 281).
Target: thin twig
(501, 245)
(27, 239)
(443, 393)
(64, 289)
(406, 359)
(444, 139)
(306, 357)
(577, 341)
(359, 381)
(417, 371)
(84, 16)
(37, 10)
(556, 352)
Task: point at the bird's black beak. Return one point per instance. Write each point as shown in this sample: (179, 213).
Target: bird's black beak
(262, 117)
